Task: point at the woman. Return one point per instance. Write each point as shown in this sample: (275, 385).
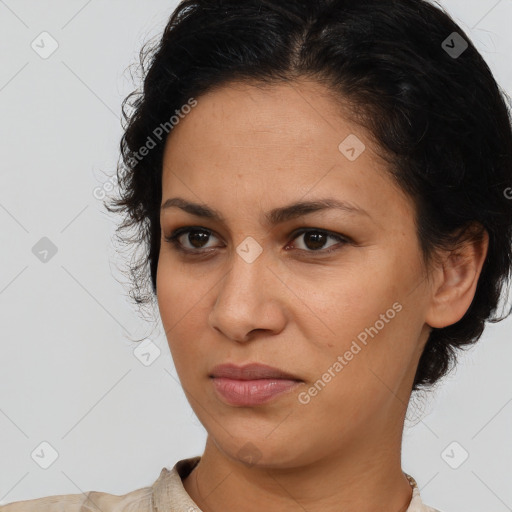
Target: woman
(321, 187)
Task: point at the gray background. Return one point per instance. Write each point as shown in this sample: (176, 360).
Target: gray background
(69, 376)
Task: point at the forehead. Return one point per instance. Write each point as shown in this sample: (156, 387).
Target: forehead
(256, 140)
(294, 115)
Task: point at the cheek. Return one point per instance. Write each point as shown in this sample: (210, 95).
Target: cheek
(182, 299)
(378, 348)
(366, 314)
(178, 290)
(336, 304)
(168, 288)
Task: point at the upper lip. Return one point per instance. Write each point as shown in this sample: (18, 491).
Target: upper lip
(250, 371)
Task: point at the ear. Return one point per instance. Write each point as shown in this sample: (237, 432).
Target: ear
(455, 281)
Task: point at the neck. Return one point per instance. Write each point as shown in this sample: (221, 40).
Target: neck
(360, 478)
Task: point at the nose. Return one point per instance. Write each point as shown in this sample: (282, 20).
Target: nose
(250, 299)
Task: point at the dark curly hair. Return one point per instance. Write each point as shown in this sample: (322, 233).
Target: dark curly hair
(424, 94)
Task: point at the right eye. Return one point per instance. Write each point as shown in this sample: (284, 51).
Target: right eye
(189, 239)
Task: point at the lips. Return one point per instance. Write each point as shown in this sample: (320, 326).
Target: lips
(251, 371)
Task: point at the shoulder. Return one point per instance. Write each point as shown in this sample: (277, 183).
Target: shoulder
(139, 500)
(167, 491)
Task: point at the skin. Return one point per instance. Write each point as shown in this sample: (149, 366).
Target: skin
(243, 151)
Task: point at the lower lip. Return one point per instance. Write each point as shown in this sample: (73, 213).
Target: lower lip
(251, 392)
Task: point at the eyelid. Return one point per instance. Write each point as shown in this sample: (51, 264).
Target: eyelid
(332, 234)
(177, 233)
(342, 239)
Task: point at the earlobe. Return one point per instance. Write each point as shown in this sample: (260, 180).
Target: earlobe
(455, 289)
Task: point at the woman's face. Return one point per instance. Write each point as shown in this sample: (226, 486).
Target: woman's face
(345, 318)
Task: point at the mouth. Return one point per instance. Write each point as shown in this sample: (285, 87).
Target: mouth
(252, 384)
(253, 371)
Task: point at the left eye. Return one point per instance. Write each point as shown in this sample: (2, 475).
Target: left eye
(315, 240)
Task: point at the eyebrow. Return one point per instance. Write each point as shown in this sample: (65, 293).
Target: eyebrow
(273, 217)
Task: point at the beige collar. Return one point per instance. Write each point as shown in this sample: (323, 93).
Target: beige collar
(169, 494)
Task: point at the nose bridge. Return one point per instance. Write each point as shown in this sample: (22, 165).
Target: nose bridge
(245, 297)
(247, 273)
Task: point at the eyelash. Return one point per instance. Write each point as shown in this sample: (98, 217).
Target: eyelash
(176, 234)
